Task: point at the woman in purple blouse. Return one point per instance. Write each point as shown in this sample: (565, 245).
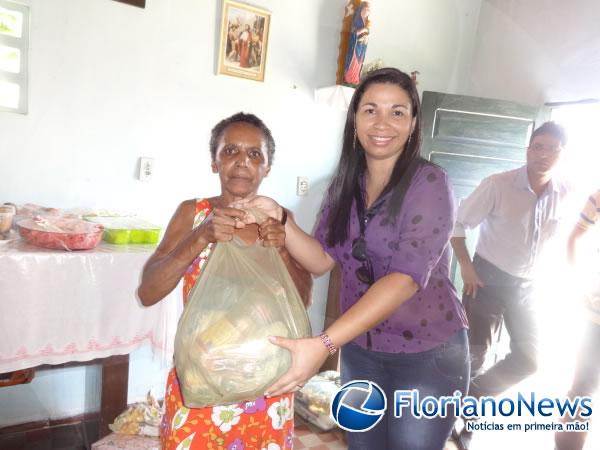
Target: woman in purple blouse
(386, 221)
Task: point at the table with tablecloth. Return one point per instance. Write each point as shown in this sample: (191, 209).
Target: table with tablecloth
(58, 306)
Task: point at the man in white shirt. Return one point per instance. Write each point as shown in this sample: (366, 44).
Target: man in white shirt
(517, 212)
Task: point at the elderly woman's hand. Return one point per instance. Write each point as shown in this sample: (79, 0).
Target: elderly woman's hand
(272, 232)
(221, 224)
(308, 355)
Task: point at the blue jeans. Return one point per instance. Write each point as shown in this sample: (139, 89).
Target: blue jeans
(436, 372)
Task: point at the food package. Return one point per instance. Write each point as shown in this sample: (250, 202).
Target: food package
(313, 401)
(140, 419)
(58, 232)
(222, 352)
(127, 230)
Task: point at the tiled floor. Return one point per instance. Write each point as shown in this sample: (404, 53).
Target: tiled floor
(309, 437)
(120, 441)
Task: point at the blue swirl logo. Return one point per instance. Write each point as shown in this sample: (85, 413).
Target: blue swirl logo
(358, 405)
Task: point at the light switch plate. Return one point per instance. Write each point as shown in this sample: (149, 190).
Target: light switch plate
(146, 169)
(302, 186)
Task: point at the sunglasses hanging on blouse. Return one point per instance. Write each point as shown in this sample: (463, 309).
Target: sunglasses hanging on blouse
(364, 273)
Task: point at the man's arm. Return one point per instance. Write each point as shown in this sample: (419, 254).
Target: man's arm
(471, 212)
(587, 219)
(574, 238)
(471, 280)
(575, 253)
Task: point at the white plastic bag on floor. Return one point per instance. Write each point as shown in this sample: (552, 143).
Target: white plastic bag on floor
(141, 419)
(313, 401)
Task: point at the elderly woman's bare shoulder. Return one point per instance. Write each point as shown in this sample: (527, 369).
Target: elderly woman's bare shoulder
(183, 217)
(187, 206)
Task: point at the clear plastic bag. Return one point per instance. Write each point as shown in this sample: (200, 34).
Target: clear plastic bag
(222, 352)
(141, 418)
(313, 401)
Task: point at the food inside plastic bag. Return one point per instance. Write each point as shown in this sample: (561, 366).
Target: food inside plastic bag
(222, 352)
(313, 401)
(140, 419)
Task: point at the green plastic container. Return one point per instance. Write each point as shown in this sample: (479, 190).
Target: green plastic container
(127, 230)
(116, 235)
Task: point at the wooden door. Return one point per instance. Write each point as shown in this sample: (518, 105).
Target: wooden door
(472, 138)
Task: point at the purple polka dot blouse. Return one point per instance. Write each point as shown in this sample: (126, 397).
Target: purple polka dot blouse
(414, 243)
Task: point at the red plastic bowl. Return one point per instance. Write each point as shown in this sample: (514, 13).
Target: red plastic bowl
(61, 233)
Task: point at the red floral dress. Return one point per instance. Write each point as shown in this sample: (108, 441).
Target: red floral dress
(264, 423)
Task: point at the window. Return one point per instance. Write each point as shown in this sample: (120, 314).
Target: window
(14, 43)
(582, 157)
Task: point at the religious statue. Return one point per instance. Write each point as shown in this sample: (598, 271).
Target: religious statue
(353, 44)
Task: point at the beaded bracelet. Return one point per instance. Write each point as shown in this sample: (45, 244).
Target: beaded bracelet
(326, 340)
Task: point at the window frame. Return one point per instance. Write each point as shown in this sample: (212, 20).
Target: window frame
(22, 44)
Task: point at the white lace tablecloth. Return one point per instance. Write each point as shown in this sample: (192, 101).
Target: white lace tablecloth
(58, 306)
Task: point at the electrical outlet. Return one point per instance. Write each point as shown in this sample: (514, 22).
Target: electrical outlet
(301, 185)
(146, 169)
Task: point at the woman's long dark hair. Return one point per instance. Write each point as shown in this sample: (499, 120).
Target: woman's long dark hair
(352, 162)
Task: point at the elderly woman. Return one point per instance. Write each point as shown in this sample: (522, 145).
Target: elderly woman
(242, 150)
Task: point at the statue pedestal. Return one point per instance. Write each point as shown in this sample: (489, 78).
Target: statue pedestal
(337, 96)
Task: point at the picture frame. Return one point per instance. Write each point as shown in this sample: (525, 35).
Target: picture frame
(244, 40)
(138, 3)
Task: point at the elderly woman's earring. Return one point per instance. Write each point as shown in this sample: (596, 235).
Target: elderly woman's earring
(354, 141)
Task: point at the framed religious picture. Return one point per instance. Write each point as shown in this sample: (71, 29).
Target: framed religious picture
(140, 3)
(244, 38)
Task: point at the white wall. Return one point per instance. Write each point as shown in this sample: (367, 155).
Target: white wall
(536, 51)
(110, 83)
(434, 37)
